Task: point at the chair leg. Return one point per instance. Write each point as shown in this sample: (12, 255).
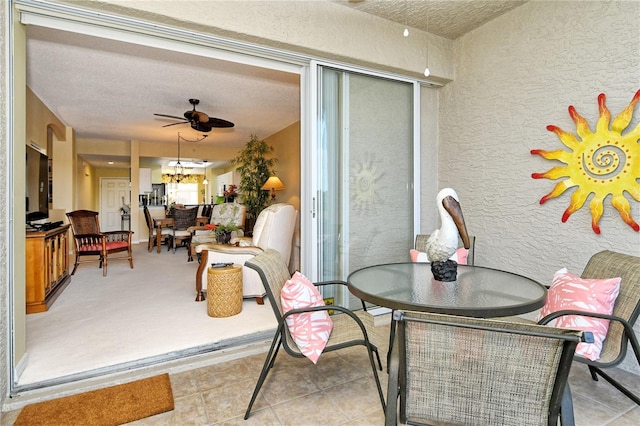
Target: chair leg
(104, 266)
(566, 408)
(594, 376)
(268, 363)
(391, 412)
(273, 359)
(392, 334)
(616, 384)
(375, 374)
(375, 350)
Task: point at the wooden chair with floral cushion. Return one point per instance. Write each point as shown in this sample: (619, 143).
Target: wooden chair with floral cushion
(99, 246)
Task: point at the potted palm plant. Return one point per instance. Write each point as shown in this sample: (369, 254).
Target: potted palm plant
(254, 166)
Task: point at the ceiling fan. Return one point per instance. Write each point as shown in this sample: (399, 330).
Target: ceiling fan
(198, 120)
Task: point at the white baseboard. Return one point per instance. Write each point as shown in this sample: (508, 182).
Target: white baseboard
(19, 368)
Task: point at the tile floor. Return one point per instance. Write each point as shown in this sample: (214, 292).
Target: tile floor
(339, 390)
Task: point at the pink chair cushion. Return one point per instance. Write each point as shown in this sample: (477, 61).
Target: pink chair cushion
(95, 247)
(569, 291)
(310, 330)
(111, 245)
(460, 256)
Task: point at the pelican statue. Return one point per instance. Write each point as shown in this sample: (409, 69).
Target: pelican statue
(443, 242)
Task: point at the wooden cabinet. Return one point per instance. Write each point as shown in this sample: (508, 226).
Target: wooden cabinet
(47, 267)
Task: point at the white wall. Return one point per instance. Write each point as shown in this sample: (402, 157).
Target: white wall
(514, 76)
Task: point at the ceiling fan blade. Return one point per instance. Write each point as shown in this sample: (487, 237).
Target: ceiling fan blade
(173, 124)
(169, 116)
(219, 122)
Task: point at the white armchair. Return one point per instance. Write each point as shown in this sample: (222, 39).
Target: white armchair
(273, 229)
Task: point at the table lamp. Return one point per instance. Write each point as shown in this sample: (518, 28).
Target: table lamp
(273, 184)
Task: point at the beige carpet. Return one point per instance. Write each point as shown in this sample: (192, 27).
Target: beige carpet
(114, 405)
(132, 314)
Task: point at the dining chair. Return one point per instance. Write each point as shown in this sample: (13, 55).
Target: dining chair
(183, 219)
(620, 335)
(165, 233)
(90, 241)
(349, 328)
(473, 371)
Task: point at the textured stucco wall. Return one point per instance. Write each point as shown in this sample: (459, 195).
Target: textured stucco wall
(514, 76)
(4, 302)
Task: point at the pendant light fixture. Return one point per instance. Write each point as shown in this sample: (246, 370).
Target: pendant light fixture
(180, 174)
(178, 170)
(406, 28)
(427, 73)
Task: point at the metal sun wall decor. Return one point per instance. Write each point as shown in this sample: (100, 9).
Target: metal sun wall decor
(604, 162)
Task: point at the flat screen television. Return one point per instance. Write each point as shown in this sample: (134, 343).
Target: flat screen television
(37, 185)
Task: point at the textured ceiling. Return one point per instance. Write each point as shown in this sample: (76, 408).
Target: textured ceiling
(446, 18)
(109, 90)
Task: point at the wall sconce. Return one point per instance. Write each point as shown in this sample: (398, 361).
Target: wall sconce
(273, 184)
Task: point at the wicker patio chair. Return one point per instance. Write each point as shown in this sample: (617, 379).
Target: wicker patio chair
(473, 371)
(349, 328)
(609, 264)
(90, 241)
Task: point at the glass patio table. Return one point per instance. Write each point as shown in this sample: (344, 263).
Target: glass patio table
(477, 292)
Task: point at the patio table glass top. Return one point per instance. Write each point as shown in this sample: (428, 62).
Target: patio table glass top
(478, 291)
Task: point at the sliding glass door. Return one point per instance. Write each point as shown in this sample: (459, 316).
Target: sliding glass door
(365, 172)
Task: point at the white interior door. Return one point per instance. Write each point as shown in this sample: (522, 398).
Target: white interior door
(114, 192)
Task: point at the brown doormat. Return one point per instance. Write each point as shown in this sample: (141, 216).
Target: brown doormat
(110, 406)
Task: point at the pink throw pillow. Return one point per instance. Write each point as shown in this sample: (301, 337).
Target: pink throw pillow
(460, 256)
(310, 330)
(570, 292)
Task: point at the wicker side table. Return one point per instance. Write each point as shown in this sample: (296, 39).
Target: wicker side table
(224, 291)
